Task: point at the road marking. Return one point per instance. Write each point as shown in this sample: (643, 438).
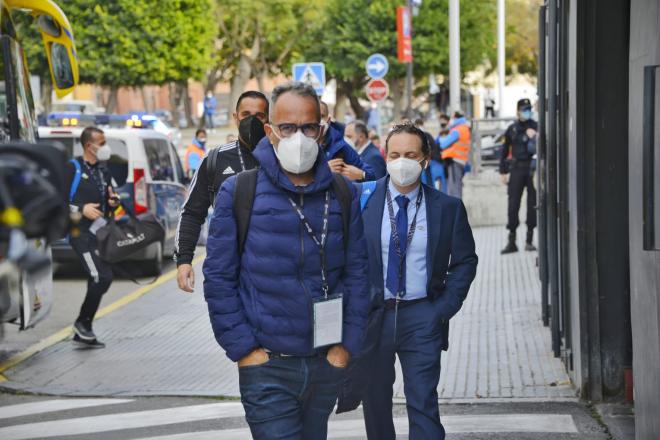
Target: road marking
(27, 409)
(113, 422)
(489, 423)
(67, 332)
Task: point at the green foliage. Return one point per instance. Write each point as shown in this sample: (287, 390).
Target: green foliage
(351, 31)
(522, 42)
(264, 32)
(128, 43)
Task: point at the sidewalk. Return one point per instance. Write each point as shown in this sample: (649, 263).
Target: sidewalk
(162, 344)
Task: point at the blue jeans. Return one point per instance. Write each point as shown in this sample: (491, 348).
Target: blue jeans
(418, 345)
(289, 397)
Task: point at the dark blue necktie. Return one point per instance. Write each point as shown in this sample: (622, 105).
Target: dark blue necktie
(393, 259)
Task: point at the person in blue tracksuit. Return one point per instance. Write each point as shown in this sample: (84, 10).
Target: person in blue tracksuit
(357, 135)
(422, 261)
(342, 158)
(264, 300)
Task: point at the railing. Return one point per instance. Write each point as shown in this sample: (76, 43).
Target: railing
(481, 128)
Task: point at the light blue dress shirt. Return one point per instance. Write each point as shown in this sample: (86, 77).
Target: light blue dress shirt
(416, 274)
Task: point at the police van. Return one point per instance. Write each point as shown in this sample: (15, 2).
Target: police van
(148, 176)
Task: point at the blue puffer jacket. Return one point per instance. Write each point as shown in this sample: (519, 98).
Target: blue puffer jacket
(335, 144)
(264, 297)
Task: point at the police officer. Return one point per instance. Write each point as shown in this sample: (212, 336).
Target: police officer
(93, 196)
(228, 159)
(517, 170)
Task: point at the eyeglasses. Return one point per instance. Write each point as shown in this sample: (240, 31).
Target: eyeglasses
(311, 130)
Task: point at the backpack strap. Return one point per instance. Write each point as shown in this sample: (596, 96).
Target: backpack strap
(244, 191)
(76, 179)
(367, 190)
(344, 196)
(211, 173)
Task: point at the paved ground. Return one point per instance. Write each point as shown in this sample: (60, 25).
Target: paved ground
(68, 292)
(162, 344)
(25, 417)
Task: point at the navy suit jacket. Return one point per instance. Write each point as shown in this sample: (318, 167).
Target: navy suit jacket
(371, 156)
(451, 260)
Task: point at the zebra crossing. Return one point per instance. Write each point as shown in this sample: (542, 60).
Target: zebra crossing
(41, 420)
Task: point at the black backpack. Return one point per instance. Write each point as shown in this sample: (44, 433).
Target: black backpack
(212, 173)
(247, 182)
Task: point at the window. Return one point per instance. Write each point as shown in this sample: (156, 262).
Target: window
(177, 164)
(25, 105)
(158, 157)
(118, 163)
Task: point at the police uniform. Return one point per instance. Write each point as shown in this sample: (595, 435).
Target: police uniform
(517, 160)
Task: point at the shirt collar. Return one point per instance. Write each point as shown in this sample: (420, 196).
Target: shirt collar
(364, 147)
(412, 195)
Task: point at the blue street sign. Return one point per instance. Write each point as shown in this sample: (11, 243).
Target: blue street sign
(310, 73)
(377, 66)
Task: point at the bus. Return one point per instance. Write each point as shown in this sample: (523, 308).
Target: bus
(26, 296)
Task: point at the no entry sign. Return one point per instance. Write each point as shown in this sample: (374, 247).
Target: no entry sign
(377, 90)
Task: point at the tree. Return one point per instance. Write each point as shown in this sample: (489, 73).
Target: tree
(258, 37)
(132, 44)
(522, 36)
(351, 31)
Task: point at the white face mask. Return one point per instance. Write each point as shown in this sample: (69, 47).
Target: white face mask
(349, 142)
(104, 153)
(403, 171)
(297, 153)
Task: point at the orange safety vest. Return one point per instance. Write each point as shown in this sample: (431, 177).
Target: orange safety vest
(459, 150)
(192, 148)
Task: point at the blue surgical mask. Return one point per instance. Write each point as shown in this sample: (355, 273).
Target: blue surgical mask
(526, 115)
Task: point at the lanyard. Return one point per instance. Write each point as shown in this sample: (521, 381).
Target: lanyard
(240, 155)
(411, 232)
(97, 176)
(324, 235)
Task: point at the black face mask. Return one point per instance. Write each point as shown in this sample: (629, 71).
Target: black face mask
(443, 125)
(251, 131)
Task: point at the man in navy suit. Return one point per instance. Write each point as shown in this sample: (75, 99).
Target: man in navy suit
(422, 260)
(356, 135)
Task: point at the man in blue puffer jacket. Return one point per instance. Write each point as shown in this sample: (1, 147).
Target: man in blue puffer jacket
(267, 303)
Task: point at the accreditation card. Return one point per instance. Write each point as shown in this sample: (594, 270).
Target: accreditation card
(328, 320)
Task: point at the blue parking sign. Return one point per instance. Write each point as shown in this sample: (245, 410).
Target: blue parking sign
(312, 74)
(377, 66)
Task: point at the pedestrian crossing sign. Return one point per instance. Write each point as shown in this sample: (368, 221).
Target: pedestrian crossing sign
(312, 74)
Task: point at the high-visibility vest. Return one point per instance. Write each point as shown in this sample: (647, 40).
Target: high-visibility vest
(459, 150)
(192, 149)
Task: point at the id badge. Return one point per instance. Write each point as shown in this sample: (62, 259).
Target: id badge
(97, 224)
(328, 320)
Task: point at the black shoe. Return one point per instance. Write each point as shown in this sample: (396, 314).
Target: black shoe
(529, 247)
(81, 343)
(511, 245)
(83, 333)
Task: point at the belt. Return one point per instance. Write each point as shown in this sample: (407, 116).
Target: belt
(391, 303)
(273, 355)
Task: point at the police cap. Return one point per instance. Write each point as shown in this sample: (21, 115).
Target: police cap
(524, 104)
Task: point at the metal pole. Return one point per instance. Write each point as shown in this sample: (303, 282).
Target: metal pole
(454, 55)
(409, 69)
(500, 55)
(542, 170)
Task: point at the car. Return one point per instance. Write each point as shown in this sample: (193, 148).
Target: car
(149, 178)
(154, 122)
(491, 150)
